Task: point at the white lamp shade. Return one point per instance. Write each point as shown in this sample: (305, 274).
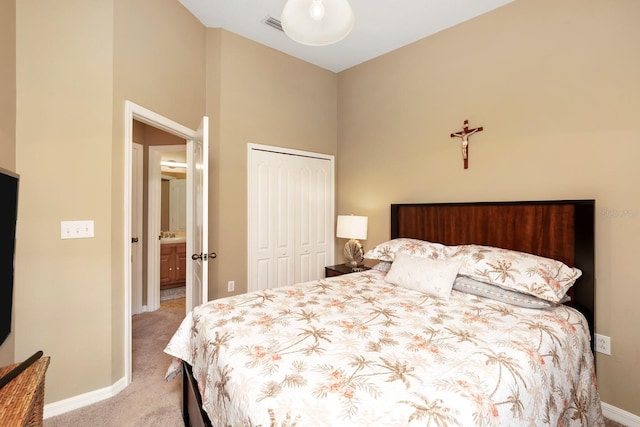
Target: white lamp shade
(352, 227)
(300, 26)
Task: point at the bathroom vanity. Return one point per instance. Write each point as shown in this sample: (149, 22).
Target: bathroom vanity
(173, 263)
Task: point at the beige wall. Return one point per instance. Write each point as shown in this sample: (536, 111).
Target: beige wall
(7, 84)
(555, 85)
(159, 63)
(8, 121)
(63, 154)
(77, 62)
(264, 97)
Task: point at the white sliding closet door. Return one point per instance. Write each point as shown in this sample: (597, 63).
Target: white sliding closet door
(291, 210)
(313, 225)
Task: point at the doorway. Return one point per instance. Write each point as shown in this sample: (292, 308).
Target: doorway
(173, 227)
(141, 114)
(165, 240)
(166, 164)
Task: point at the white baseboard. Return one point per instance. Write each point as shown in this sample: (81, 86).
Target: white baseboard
(620, 416)
(82, 400)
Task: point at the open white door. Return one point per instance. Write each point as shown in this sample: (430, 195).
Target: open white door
(197, 210)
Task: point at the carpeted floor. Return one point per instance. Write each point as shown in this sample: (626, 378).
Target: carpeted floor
(136, 405)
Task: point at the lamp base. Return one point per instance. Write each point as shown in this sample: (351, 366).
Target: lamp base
(353, 253)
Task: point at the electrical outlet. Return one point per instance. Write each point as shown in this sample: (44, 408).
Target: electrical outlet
(603, 344)
(231, 286)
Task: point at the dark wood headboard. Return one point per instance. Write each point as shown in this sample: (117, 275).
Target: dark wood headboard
(562, 230)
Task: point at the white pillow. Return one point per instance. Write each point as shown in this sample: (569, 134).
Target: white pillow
(429, 276)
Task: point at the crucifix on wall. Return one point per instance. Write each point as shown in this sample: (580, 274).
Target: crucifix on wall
(464, 134)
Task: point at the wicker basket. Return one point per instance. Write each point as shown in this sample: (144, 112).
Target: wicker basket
(22, 399)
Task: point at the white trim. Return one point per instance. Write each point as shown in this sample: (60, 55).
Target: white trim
(620, 415)
(134, 111)
(128, 145)
(274, 149)
(80, 401)
(148, 117)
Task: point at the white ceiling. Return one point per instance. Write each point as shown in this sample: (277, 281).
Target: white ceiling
(380, 25)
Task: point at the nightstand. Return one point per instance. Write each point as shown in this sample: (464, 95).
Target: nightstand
(340, 269)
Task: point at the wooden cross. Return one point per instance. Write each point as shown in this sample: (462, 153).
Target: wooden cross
(465, 133)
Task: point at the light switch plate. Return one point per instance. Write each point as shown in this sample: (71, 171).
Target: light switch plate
(76, 229)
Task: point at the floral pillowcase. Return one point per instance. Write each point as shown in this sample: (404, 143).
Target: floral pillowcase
(541, 277)
(386, 251)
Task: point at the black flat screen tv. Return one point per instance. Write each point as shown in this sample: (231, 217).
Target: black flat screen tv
(8, 219)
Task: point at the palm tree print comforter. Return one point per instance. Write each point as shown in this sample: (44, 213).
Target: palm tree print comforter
(355, 350)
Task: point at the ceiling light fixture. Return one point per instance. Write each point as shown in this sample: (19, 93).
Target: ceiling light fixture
(173, 164)
(317, 22)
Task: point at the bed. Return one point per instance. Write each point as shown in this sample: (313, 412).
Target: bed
(389, 347)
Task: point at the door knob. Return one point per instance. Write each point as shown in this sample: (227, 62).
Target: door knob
(134, 240)
(204, 257)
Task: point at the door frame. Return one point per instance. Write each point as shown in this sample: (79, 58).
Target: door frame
(134, 111)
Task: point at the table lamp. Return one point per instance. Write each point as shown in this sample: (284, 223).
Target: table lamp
(352, 227)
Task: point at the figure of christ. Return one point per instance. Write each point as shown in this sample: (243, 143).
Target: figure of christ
(464, 134)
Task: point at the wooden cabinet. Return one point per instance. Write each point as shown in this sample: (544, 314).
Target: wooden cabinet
(173, 265)
(181, 263)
